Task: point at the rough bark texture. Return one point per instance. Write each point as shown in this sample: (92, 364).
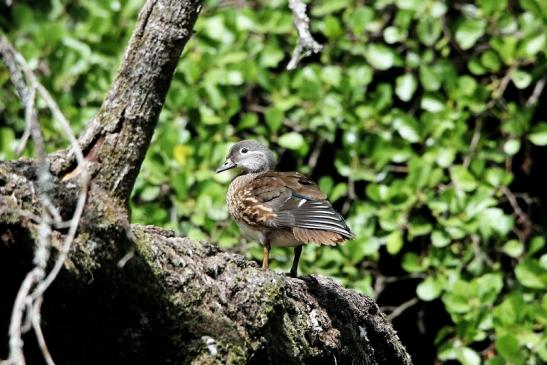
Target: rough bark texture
(117, 138)
(179, 301)
(176, 301)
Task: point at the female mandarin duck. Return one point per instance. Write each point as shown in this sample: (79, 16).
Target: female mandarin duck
(279, 208)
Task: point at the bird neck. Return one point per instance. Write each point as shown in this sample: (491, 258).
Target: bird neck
(260, 170)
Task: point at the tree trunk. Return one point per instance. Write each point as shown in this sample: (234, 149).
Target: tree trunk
(135, 294)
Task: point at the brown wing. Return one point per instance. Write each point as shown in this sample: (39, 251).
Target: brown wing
(290, 200)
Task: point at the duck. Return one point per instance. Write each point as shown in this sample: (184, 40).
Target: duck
(277, 208)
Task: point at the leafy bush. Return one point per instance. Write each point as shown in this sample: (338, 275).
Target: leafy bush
(412, 119)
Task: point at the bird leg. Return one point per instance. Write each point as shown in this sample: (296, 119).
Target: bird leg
(294, 268)
(266, 256)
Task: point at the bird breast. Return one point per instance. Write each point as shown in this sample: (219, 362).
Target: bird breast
(233, 195)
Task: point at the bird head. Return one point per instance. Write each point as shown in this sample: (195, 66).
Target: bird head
(250, 156)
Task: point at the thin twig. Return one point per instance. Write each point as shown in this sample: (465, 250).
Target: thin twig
(36, 319)
(522, 218)
(306, 43)
(498, 92)
(538, 89)
(397, 168)
(75, 222)
(403, 307)
(28, 301)
(474, 142)
(16, 356)
(9, 54)
(451, 39)
(352, 196)
(29, 115)
(314, 156)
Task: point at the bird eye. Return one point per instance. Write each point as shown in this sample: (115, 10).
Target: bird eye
(244, 150)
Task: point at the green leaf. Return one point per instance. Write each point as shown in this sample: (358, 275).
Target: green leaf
(394, 242)
(359, 18)
(430, 77)
(538, 135)
(274, 117)
(412, 263)
(490, 60)
(456, 303)
(429, 29)
(488, 287)
(379, 56)
(339, 191)
(419, 226)
(392, 35)
(505, 47)
(271, 56)
(429, 289)
(332, 75)
(512, 146)
(150, 193)
(326, 183)
(494, 220)
(405, 86)
(407, 127)
(462, 178)
(533, 45)
(492, 6)
(328, 7)
(291, 140)
(521, 79)
(468, 356)
(530, 274)
(332, 28)
(513, 248)
(432, 104)
(536, 244)
(508, 347)
(469, 31)
(440, 239)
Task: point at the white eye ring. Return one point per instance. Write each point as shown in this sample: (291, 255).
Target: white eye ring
(243, 150)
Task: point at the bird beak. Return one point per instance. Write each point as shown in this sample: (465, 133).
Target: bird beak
(227, 165)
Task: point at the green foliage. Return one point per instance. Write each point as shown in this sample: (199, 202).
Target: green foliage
(417, 107)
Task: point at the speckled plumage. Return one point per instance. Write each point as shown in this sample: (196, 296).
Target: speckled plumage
(279, 208)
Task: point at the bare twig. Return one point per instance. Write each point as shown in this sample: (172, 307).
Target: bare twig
(314, 156)
(12, 58)
(451, 39)
(522, 218)
(474, 142)
(381, 282)
(41, 288)
(16, 356)
(306, 43)
(400, 309)
(478, 252)
(498, 92)
(36, 319)
(29, 297)
(125, 259)
(352, 196)
(29, 116)
(538, 89)
(397, 168)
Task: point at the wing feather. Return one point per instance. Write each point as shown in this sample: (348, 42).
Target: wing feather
(290, 200)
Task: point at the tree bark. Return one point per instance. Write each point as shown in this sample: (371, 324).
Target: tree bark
(135, 294)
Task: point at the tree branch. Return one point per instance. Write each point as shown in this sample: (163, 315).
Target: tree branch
(121, 131)
(306, 43)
